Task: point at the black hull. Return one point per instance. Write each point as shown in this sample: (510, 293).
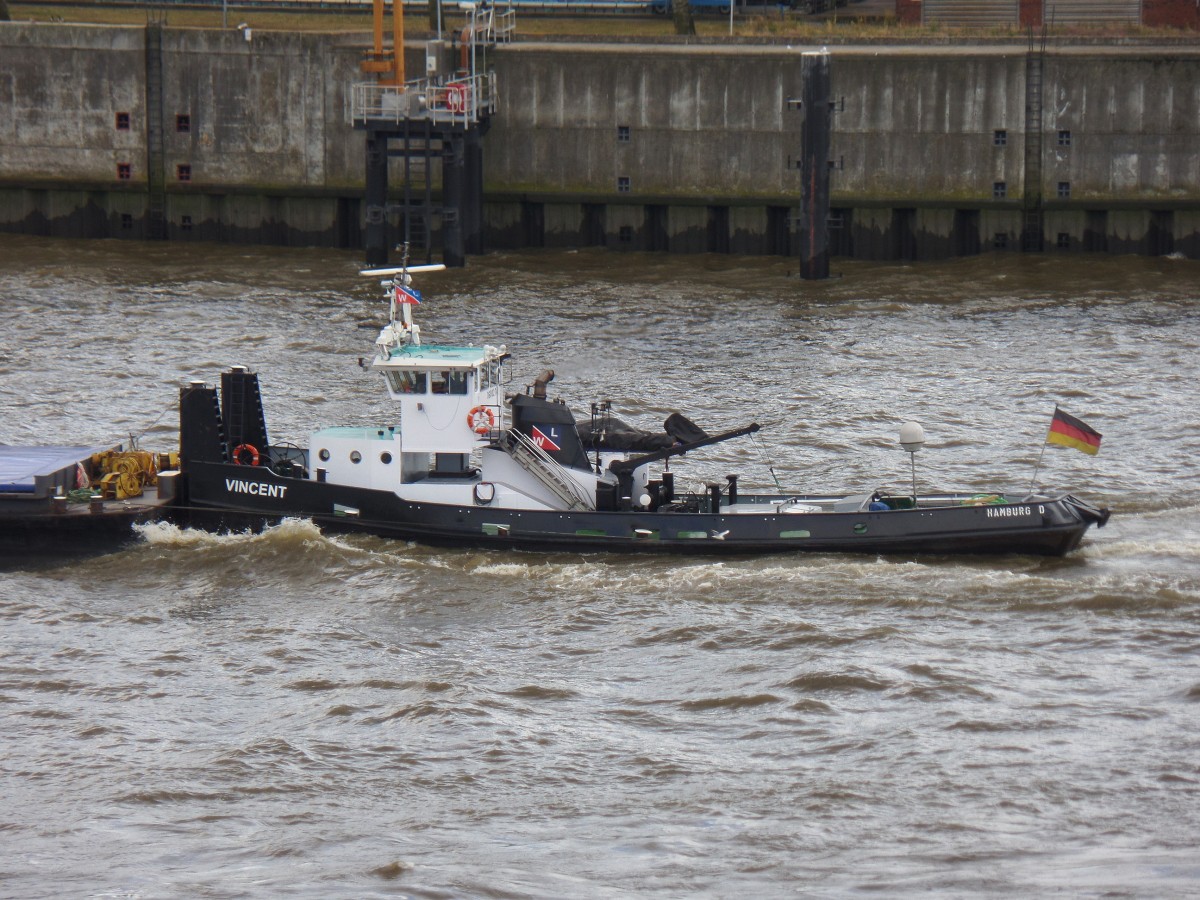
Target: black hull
(36, 537)
(1049, 527)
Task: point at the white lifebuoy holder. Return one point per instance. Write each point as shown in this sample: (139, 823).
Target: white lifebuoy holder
(250, 450)
(481, 420)
(456, 98)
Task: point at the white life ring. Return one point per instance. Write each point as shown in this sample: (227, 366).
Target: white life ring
(456, 98)
(481, 420)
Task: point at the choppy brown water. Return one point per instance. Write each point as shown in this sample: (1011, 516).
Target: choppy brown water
(289, 714)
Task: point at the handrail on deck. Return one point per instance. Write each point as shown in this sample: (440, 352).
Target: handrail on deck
(455, 101)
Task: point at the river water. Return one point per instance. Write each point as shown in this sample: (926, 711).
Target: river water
(288, 714)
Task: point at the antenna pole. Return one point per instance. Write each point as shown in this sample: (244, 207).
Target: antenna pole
(1038, 465)
(912, 458)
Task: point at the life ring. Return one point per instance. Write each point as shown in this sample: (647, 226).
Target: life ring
(481, 420)
(245, 448)
(456, 98)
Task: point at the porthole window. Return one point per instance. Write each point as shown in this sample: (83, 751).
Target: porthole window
(355, 457)
(324, 454)
(385, 458)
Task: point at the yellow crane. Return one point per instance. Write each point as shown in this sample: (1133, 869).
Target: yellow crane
(388, 66)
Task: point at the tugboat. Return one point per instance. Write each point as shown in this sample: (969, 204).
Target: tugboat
(469, 463)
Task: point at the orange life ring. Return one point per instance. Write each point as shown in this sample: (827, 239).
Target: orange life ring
(456, 98)
(247, 448)
(481, 420)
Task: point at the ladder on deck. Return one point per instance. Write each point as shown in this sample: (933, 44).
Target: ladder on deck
(417, 211)
(1032, 225)
(538, 463)
(156, 197)
(245, 421)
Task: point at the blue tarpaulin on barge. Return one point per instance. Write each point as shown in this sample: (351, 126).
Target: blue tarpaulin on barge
(20, 467)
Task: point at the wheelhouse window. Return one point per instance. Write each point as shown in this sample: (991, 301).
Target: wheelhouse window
(489, 374)
(448, 381)
(406, 381)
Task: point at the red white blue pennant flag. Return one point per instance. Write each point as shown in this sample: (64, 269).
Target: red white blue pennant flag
(407, 294)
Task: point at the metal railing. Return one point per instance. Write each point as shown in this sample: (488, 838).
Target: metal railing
(415, 7)
(540, 464)
(502, 27)
(453, 101)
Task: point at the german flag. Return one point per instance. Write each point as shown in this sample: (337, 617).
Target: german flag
(1072, 432)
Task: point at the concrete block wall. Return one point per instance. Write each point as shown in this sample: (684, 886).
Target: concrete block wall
(923, 138)
(920, 127)
(60, 89)
(260, 111)
(632, 146)
(1133, 127)
(697, 121)
(255, 141)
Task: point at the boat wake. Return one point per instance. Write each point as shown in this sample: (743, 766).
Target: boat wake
(1105, 568)
(289, 531)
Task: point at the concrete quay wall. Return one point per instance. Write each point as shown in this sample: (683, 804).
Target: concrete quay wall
(929, 147)
(253, 136)
(659, 147)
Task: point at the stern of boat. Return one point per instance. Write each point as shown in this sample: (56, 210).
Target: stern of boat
(1093, 515)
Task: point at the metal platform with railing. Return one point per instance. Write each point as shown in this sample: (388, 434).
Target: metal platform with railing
(458, 101)
(431, 125)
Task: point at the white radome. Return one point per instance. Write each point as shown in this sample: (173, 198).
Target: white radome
(912, 437)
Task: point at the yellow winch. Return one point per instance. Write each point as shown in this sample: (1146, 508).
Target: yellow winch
(121, 474)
